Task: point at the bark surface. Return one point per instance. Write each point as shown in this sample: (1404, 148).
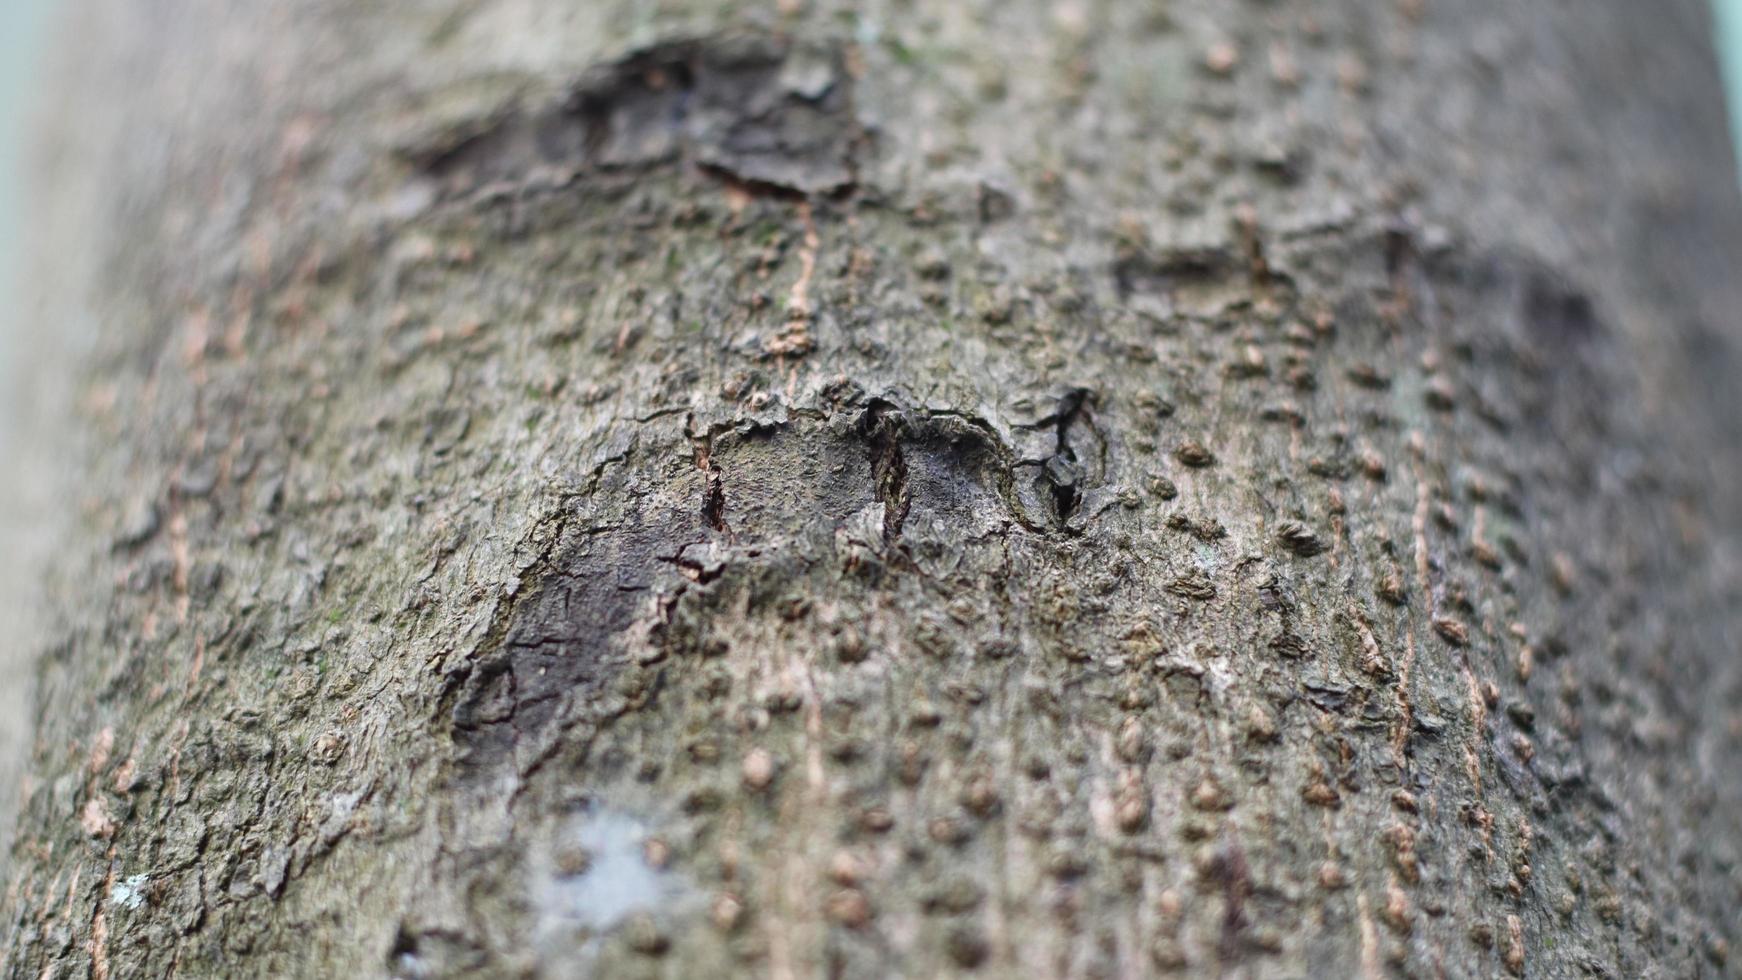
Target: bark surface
(1075, 488)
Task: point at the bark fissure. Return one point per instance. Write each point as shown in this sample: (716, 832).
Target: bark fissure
(882, 425)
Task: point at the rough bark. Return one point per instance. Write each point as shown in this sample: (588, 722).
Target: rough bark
(1067, 489)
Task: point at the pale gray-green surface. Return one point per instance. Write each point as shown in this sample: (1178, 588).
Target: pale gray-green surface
(1730, 48)
(23, 492)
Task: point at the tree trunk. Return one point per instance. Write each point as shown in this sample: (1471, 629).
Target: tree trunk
(1081, 489)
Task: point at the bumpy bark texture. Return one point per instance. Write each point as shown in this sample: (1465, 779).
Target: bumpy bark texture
(1076, 488)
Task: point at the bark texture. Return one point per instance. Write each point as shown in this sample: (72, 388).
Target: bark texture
(1074, 488)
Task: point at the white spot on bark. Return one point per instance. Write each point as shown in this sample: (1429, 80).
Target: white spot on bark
(616, 883)
(129, 893)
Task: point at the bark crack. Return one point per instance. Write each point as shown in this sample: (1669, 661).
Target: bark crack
(713, 483)
(1064, 475)
(883, 425)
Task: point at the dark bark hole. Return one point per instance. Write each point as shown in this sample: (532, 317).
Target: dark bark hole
(713, 485)
(714, 500)
(1557, 313)
(882, 426)
(1063, 474)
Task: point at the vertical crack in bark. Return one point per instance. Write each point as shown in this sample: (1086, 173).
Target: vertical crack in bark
(713, 485)
(882, 426)
(1063, 470)
(713, 497)
(713, 493)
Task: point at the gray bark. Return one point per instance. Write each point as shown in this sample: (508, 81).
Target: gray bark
(1059, 489)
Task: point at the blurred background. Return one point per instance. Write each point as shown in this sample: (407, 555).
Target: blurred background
(23, 27)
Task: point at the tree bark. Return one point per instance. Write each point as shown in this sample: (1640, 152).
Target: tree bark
(1083, 488)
